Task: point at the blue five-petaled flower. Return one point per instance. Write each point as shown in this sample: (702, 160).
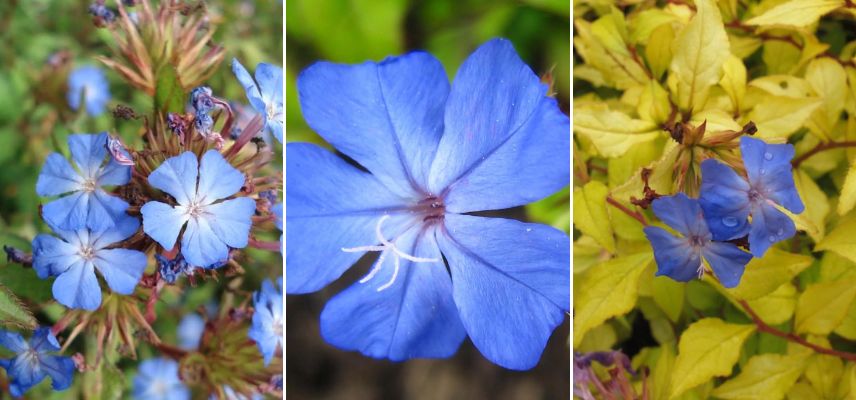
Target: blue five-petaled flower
(680, 257)
(266, 329)
(264, 93)
(212, 227)
(434, 152)
(728, 200)
(158, 379)
(32, 363)
(74, 258)
(89, 84)
(87, 204)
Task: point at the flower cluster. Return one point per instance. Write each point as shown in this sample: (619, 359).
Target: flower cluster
(33, 363)
(729, 207)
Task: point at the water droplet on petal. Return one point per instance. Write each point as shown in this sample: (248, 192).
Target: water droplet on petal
(781, 231)
(762, 171)
(772, 239)
(768, 156)
(530, 230)
(729, 222)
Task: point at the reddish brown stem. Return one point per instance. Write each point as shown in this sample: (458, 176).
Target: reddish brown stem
(821, 147)
(636, 215)
(259, 244)
(763, 327)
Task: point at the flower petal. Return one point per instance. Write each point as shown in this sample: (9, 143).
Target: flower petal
(60, 369)
(52, 256)
(105, 211)
(269, 78)
(69, 213)
(231, 220)
(533, 163)
(396, 106)
(13, 342)
(675, 257)
(682, 214)
(493, 96)
(769, 167)
(331, 205)
(58, 177)
(415, 317)
(88, 152)
(24, 374)
(724, 197)
(245, 79)
(43, 341)
(769, 225)
(217, 178)
(177, 176)
(123, 229)
(77, 287)
(727, 262)
(200, 245)
(121, 268)
(163, 222)
(114, 174)
(276, 129)
(510, 284)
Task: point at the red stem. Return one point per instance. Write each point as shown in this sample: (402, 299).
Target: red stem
(636, 215)
(821, 147)
(259, 244)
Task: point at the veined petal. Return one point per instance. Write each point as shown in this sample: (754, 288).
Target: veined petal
(121, 268)
(88, 152)
(533, 163)
(727, 262)
(269, 78)
(24, 374)
(60, 369)
(114, 174)
(105, 211)
(769, 168)
(276, 129)
(123, 229)
(13, 342)
(217, 178)
(510, 284)
(177, 176)
(68, 213)
(245, 79)
(493, 96)
(724, 197)
(414, 317)
(200, 246)
(675, 257)
(331, 205)
(396, 106)
(682, 214)
(77, 287)
(44, 341)
(163, 222)
(231, 220)
(58, 177)
(52, 256)
(769, 226)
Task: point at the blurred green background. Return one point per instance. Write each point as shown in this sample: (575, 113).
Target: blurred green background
(353, 31)
(35, 121)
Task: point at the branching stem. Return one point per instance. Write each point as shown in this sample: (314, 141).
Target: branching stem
(821, 147)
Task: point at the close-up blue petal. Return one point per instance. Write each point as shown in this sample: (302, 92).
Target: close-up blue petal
(177, 176)
(158, 379)
(70, 212)
(60, 369)
(269, 78)
(114, 174)
(52, 256)
(58, 177)
(246, 80)
(13, 341)
(727, 262)
(78, 287)
(769, 226)
(675, 257)
(331, 205)
(724, 197)
(682, 214)
(414, 317)
(231, 220)
(88, 152)
(121, 268)
(163, 222)
(769, 169)
(510, 282)
(493, 96)
(217, 178)
(44, 341)
(201, 246)
(387, 116)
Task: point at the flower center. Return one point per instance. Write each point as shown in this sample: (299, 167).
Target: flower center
(272, 111)
(89, 185)
(88, 253)
(432, 209)
(697, 241)
(195, 210)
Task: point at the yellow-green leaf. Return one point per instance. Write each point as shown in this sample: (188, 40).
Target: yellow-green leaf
(848, 192)
(783, 85)
(764, 275)
(813, 219)
(590, 215)
(643, 24)
(699, 52)
(662, 373)
(611, 31)
(658, 52)
(733, 81)
(823, 306)
(669, 296)
(777, 307)
(778, 117)
(841, 240)
(654, 103)
(612, 133)
(708, 348)
(797, 13)
(610, 290)
(764, 377)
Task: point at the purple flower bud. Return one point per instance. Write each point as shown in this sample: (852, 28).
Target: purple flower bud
(200, 99)
(17, 255)
(171, 270)
(118, 151)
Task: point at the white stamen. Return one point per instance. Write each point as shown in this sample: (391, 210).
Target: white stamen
(386, 245)
(700, 270)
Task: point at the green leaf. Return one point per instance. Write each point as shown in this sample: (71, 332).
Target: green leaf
(590, 215)
(796, 13)
(733, 82)
(764, 377)
(607, 290)
(662, 373)
(848, 192)
(776, 307)
(699, 52)
(612, 133)
(708, 348)
(764, 275)
(169, 94)
(778, 117)
(669, 295)
(840, 240)
(813, 219)
(823, 306)
(13, 313)
(658, 52)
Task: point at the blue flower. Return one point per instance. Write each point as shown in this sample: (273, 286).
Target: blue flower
(728, 200)
(680, 257)
(434, 153)
(190, 331)
(266, 329)
(212, 228)
(33, 363)
(171, 270)
(74, 259)
(264, 93)
(157, 379)
(90, 84)
(86, 204)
